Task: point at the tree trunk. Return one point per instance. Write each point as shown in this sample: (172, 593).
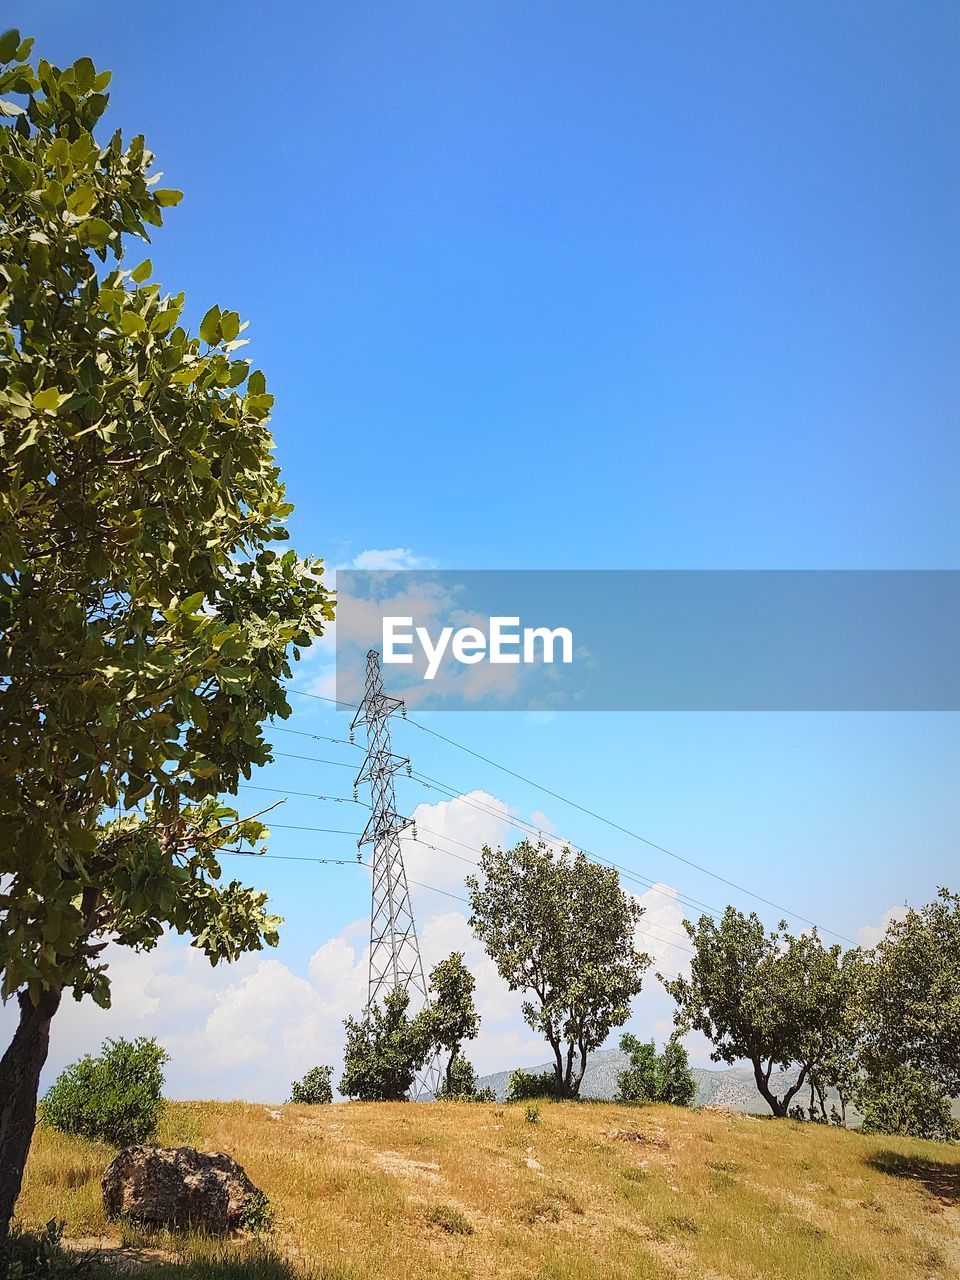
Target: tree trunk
(763, 1085)
(20, 1070)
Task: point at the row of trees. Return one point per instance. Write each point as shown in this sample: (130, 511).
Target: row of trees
(876, 1028)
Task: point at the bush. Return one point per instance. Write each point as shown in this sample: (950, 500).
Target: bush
(384, 1051)
(116, 1098)
(653, 1077)
(38, 1255)
(527, 1084)
(462, 1084)
(315, 1087)
(904, 1100)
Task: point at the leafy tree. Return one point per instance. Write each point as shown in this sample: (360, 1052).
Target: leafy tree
(561, 928)
(905, 1100)
(146, 622)
(653, 1077)
(522, 1085)
(385, 1049)
(911, 996)
(460, 1084)
(314, 1088)
(116, 1097)
(774, 999)
(451, 1016)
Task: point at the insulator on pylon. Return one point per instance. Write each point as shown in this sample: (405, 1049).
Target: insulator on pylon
(414, 831)
(403, 710)
(351, 733)
(409, 769)
(356, 793)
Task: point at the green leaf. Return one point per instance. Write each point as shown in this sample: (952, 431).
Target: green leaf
(210, 326)
(141, 273)
(167, 196)
(132, 323)
(48, 398)
(81, 200)
(94, 232)
(9, 44)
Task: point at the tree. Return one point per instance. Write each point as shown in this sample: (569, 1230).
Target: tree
(315, 1087)
(460, 1084)
(146, 622)
(560, 927)
(385, 1049)
(116, 1097)
(451, 1016)
(911, 995)
(774, 999)
(653, 1077)
(904, 1100)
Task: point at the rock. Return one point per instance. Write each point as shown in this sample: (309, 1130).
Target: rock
(180, 1187)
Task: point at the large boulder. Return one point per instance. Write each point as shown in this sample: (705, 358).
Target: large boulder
(180, 1187)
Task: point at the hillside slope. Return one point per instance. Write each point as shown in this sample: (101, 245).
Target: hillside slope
(414, 1191)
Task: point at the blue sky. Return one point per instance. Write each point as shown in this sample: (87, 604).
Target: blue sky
(627, 285)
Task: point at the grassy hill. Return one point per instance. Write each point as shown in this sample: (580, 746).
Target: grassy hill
(589, 1192)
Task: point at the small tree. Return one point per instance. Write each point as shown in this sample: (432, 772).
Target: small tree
(314, 1088)
(911, 996)
(451, 1016)
(653, 1077)
(904, 1100)
(116, 1097)
(561, 928)
(147, 622)
(523, 1085)
(460, 1084)
(774, 999)
(384, 1051)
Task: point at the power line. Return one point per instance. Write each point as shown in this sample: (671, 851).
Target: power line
(633, 835)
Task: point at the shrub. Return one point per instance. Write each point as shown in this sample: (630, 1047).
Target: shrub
(450, 1220)
(904, 1100)
(38, 1255)
(315, 1087)
(527, 1084)
(653, 1077)
(384, 1051)
(116, 1098)
(462, 1084)
(532, 1113)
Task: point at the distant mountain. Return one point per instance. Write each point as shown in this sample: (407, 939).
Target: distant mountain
(733, 1088)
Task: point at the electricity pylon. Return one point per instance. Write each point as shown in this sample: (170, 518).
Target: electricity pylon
(394, 950)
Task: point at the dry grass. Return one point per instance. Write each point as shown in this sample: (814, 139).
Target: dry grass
(411, 1192)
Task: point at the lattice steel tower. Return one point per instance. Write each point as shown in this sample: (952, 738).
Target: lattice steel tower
(394, 951)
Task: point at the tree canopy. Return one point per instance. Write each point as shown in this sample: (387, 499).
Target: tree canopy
(451, 1016)
(773, 998)
(147, 619)
(384, 1051)
(559, 927)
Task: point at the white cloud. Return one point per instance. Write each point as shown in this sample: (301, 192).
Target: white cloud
(249, 1029)
(871, 934)
(393, 558)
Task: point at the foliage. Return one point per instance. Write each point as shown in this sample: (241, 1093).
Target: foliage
(259, 1216)
(460, 1084)
(532, 1113)
(911, 995)
(315, 1087)
(146, 620)
(449, 1219)
(384, 1051)
(653, 1077)
(774, 999)
(560, 928)
(116, 1097)
(905, 1100)
(530, 1084)
(451, 1016)
(39, 1255)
